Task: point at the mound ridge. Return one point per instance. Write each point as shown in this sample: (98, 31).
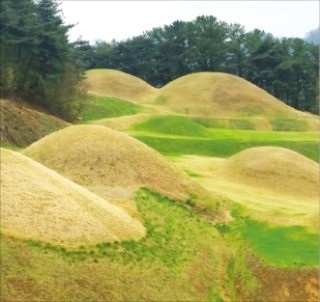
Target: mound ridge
(21, 126)
(205, 94)
(94, 155)
(273, 168)
(37, 203)
(114, 83)
(220, 94)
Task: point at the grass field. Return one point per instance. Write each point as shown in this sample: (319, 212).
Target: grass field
(177, 125)
(235, 229)
(181, 258)
(286, 247)
(226, 142)
(99, 107)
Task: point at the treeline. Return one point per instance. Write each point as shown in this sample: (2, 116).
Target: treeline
(287, 68)
(38, 64)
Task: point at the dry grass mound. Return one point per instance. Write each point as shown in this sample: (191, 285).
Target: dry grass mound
(93, 155)
(114, 83)
(39, 204)
(219, 94)
(273, 168)
(21, 126)
(123, 122)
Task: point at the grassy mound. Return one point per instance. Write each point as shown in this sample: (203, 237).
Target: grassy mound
(220, 94)
(179, 259)
(114, 83)
(21, 126)
(98, 107)
(276, 169)
(94, 155)
(176, 125)
(39, 204)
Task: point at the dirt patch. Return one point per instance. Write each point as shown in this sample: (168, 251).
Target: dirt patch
(288, 284)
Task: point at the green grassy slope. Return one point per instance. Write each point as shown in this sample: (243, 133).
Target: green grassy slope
(99, 107)
(179, 259)
(171, 124)
(226, 142)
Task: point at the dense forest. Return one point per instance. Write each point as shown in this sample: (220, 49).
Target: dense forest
(287, 68)
(40, 65)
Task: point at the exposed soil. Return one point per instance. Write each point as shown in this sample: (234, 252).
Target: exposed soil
(278, 284)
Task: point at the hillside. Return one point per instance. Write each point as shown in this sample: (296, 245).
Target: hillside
(220, 94)
(212, 98)
(39, 204)
(96, 156)
(21, 126)
(276, 169)
(114, 83)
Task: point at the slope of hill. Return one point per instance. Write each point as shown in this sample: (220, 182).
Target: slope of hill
(21, 126)
(224, 100)
(276, 169)
(220, 94)
(93, 155)
(114, 83)
(39, 204)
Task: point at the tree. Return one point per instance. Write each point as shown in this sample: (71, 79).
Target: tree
(37, 61)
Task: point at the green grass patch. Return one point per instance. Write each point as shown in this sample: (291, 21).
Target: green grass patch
(179, 259)
(288, 247)
(288, 124)
(225, 123)
(171, 124)
(285, 247)
(98, 107)
(227, 142)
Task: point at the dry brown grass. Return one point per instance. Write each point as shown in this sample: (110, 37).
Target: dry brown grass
(202, 94)
(93, 155)
(265, 196)
(39, 204)
(118, 84)
(220, 94)
(21, 126)
(123, 122)
(276, 169)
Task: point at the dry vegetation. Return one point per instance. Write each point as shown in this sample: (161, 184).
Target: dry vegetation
(177, 253)
(97, 156)
(276, 169)
(39, 204)
(114, 83)
(203, 94)
(20, 126)
(275, 185)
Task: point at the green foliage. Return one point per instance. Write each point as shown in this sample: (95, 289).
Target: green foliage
(38, 64)
(288, 124)
(98, 107)
(176, 125)
(287, 68)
